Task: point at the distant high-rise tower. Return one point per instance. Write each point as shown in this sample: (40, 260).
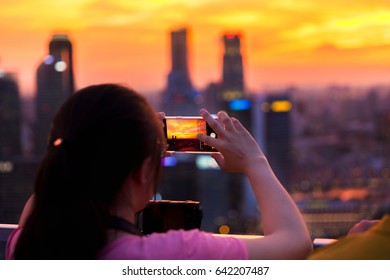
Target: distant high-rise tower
(277, 109)
(178, 97)
(232, 77)
(179, 54)
(10, 117)
(55, 83)
(232, 95)
(61, 48)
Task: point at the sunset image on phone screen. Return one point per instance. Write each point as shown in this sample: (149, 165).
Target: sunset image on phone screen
(185, 128)
(181, 135)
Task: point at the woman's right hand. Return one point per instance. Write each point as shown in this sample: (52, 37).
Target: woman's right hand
(238, 150)
(285, 232)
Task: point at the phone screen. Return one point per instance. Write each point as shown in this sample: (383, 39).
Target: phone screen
(181, 132)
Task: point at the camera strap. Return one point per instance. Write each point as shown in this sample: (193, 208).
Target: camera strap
(115, 222)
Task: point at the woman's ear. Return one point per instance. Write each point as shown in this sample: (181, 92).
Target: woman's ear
(145, 172)
(137, 188)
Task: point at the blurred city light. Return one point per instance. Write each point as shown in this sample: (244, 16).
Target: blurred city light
(204, 162)
(170, 161)
(49, 59)
(60, 66)
(6, 167)
(224, 229)
(281, 106)
(239, 104)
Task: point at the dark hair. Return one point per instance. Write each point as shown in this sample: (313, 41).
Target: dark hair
(99, 136)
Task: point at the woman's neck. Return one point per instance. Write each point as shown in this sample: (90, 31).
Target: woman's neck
(126, 214)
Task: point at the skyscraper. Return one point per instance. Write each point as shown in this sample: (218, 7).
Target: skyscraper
(232, 76)
(10, 117)
(179, 54)
(277, 109)
(233, 96)
(55, 83)
(178, 97)
(230, 95)
(16, 174)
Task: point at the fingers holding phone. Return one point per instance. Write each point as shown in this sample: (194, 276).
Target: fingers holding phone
(234, 142)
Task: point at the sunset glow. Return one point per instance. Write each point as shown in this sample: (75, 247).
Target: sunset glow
(284, 42)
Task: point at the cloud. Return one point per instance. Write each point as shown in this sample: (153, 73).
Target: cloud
(39, 15)
(351, 31)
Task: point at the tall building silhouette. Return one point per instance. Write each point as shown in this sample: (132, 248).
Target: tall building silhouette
(55, 83)
(235, 101)
(230, 94)
(233, 96)
(16, 173)
(10, 117)
(232, 72)
(178, 97)
(232, 188)
(277, 109)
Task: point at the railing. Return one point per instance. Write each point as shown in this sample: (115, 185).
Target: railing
(6, 229)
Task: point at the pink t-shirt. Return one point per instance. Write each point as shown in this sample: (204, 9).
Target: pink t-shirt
(11, 243)
(173, 245)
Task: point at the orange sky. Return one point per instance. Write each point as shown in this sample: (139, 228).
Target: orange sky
(284, 41)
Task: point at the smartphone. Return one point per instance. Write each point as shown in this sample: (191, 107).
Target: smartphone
(181, 132)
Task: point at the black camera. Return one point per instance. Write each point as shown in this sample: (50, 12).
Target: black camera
(163, 215)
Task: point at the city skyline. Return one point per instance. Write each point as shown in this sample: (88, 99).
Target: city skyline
(283, 42)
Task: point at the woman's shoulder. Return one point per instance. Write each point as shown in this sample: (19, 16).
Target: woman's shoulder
(11, 243)
(175, 244)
